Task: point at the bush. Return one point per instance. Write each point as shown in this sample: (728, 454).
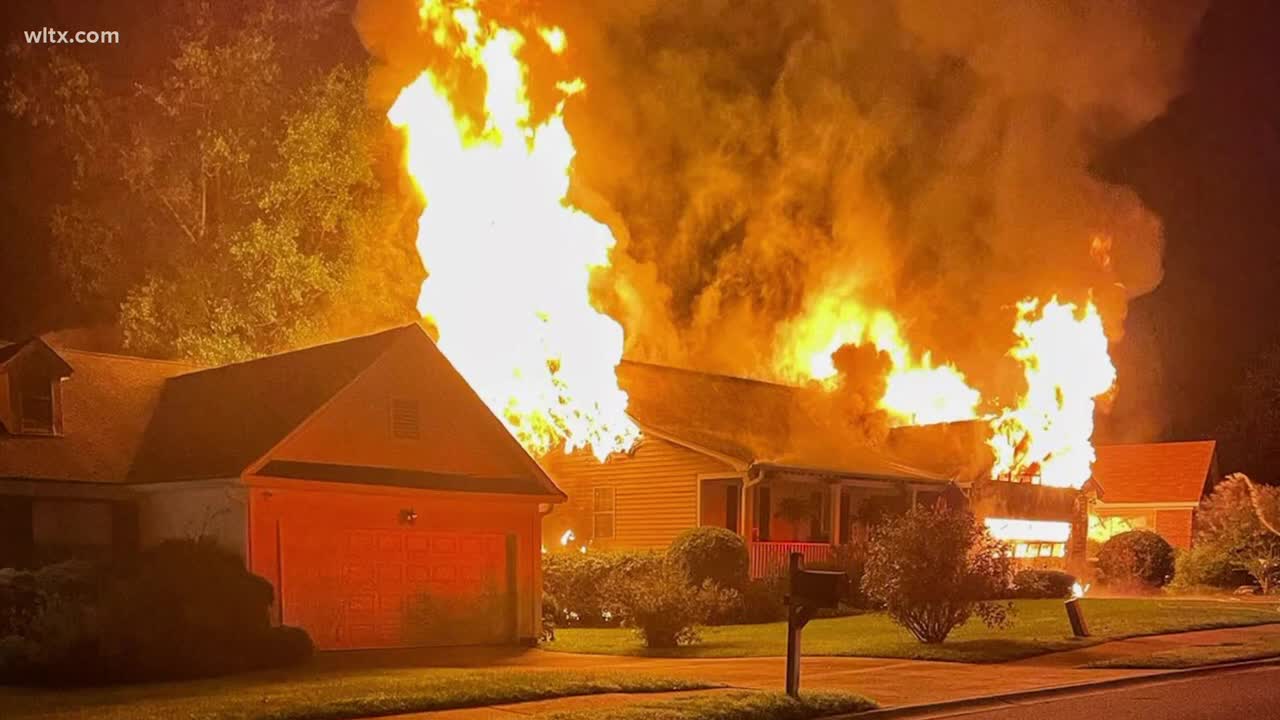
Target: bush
(581, 583)
(1137, 558)
(661, 606)
(763, 600)
(1206, 565)
(935, 568)
(711, 554)
(1042, 584)
(181, 609)
(1241, 521)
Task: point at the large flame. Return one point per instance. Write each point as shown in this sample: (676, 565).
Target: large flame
(917, 391)
(509, 259)
(1047, 437)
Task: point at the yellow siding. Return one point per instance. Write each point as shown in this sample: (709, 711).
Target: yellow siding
(655, 494)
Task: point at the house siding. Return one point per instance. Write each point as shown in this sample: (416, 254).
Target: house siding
(210, 510)
(655, 494)
(1175, 526)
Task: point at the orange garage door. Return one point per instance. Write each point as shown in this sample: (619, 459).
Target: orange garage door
(397, 587)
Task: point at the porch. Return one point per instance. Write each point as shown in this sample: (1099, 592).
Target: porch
(792, 511)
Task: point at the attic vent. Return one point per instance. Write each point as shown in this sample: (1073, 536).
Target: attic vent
(404, 418)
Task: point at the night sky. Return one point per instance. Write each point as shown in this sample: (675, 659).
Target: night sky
(1207, 167)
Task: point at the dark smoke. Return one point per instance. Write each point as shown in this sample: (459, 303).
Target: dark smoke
(931, 158)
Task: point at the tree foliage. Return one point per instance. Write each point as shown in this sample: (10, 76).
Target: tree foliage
(1241, 521)
(233, 199)
(933, 569)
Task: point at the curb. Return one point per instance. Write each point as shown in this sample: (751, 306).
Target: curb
(980, 701)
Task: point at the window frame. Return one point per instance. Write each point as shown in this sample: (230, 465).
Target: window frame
(48, 425)
(596, 511)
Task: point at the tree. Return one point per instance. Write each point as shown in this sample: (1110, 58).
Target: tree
(1241, 521)
(225, 198)
(933, 569)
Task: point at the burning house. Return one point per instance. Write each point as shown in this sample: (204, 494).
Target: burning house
(862, 338)
(778, 465)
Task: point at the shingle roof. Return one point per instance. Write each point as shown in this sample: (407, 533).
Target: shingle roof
(1175, 472)
(216, 422)
(757, 422)
(105, 407)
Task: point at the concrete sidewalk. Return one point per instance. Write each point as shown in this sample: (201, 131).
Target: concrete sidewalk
(887, 681)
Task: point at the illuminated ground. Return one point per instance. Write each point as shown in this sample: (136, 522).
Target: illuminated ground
(1040, 626)
(316, 692)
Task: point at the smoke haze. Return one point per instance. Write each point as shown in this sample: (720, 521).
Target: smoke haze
(757, 159)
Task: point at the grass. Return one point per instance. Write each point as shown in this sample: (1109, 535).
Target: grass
(1040, 626)
(311, 693)
(1197, 656)
(731, 706)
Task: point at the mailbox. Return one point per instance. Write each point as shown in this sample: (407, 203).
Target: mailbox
(809, 591)
(817, 589)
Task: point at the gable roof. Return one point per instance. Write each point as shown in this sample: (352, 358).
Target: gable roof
(214, 423)
(105, 407)
(1175, 472)
(220, 422)
(756, 423)
(56, 365)
(137, 420)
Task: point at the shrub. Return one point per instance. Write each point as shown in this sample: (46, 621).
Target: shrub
(711, 553)
(581, 583)
(550, 617)
(763, 600)
(1241, 522)
(181, 609)
(935, 568)
(1137, 558)
(1042, 584)
(1206, 565)
(661, 606)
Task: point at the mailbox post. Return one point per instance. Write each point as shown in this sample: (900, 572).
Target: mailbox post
(809, 591)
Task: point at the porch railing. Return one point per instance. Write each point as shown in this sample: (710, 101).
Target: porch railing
(770, 558)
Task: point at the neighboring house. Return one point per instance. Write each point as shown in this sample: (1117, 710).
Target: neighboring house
(1150, 486)
(784, 467)
(364, 478)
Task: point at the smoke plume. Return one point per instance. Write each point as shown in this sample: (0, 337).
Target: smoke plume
(931, 159)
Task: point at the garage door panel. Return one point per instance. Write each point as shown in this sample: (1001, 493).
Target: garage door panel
(384, 588)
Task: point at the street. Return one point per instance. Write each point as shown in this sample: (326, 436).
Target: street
(1252, 693)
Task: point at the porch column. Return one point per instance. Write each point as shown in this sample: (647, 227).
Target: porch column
(744, 511)
(834, 513)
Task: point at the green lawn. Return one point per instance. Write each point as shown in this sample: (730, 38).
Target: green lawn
(315, 693)
(1040, 626)
(1258, 649)
(730, 706)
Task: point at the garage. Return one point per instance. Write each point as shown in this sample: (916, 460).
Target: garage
(361, 588)
(388, 569)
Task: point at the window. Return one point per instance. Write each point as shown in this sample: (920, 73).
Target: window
(602, 512)
(1039, 550)
(35, 405)
(404, 419)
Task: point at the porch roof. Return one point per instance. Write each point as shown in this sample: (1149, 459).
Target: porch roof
(757, 424)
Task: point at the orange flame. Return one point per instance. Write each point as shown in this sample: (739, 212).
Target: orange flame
(1047, 437)
(509, 259)
(917, 392)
